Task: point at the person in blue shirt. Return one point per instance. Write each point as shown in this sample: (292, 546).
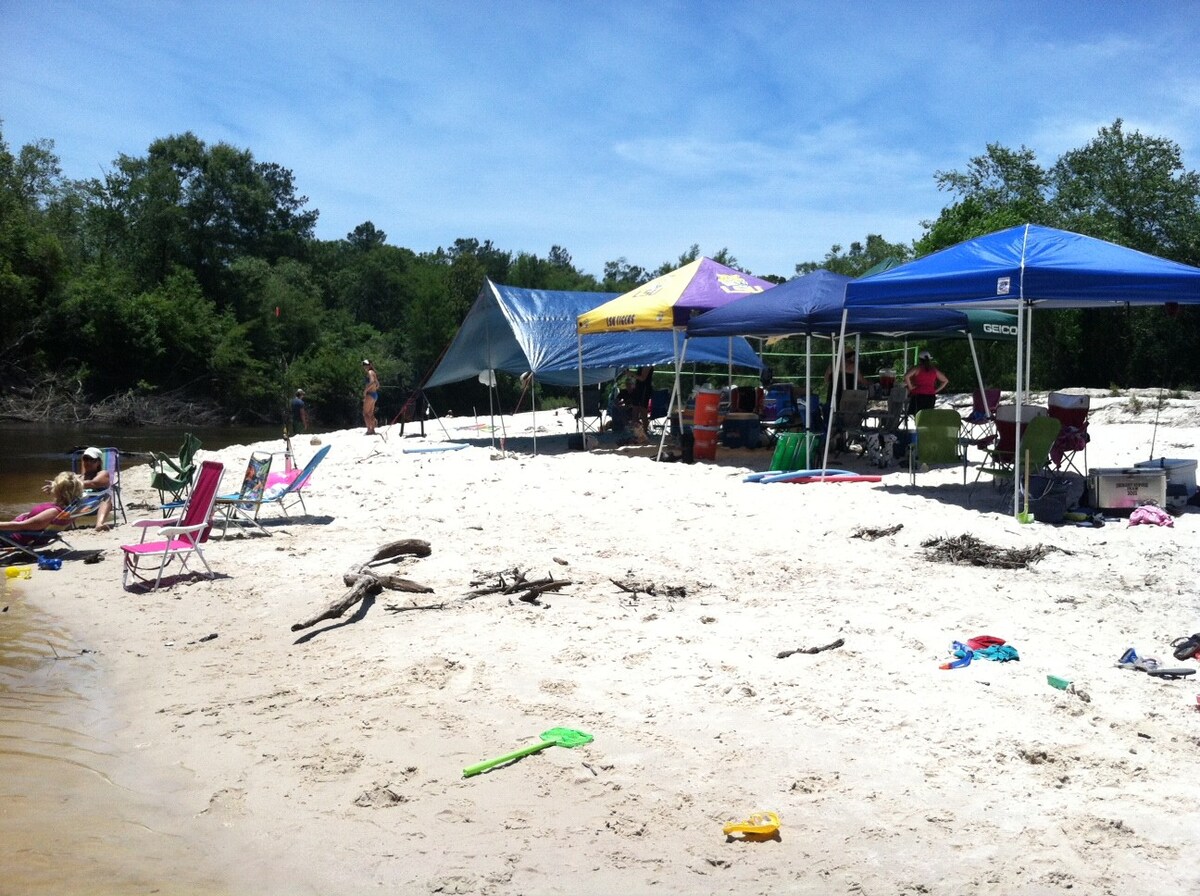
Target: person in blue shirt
(299, 413)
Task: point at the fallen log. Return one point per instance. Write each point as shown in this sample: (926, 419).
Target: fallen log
(364, 582)
(832, 645)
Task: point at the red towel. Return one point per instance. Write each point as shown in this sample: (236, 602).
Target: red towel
(981, 641)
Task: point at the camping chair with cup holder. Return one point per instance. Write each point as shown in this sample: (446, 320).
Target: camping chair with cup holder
(979, 426)
(1072, 412)
(1037, 439)
(938, 441)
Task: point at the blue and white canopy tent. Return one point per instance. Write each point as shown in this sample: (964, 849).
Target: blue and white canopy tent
(815, 304)
(533, 331)
(1025, 266)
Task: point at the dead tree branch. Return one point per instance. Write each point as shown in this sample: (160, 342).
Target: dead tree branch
(364, 582)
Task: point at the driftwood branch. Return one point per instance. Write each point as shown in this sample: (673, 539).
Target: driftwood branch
(510, 581)
(784, 654)
(363, 582)
(649, 588)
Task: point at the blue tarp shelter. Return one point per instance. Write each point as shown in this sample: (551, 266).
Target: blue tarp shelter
(518, 331)
(1029, 265)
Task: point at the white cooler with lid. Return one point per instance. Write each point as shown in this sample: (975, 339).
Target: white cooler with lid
(1181, 477)
(1123, 489)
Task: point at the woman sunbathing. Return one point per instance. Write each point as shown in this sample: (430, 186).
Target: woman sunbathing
(65, 490)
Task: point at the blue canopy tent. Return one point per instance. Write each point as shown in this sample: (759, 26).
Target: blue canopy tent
(519, 331)
(814, 304)
(1024, 266)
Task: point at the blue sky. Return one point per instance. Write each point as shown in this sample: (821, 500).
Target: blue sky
(611, 128)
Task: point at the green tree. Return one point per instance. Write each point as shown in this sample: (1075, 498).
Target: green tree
(1002, 188)
(861, 257)
(31, 255)
(189, 205)
(1131, 189)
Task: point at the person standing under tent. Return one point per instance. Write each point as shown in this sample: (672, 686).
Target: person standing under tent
(370, 395)
(849, 368)
(642, 394)
(924, 382)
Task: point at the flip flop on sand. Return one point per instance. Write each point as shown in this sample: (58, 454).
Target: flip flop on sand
(1186, 648)
(1172, 674)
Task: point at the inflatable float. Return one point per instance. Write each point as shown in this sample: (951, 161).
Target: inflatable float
(804, 477)
(774, 475)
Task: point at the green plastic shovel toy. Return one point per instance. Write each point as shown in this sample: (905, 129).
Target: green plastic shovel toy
(555, 737)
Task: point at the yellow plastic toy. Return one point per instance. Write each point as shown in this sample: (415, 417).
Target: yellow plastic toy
(18, 572)
(759, 826)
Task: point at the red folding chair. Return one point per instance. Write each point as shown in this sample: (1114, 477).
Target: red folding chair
(1072, 412)
(979, 426)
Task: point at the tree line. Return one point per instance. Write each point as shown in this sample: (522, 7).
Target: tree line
(193, 271)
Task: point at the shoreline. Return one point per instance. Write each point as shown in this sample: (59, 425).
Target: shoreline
(330, 761)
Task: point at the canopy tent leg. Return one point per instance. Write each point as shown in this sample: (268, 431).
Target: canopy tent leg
(579, 416)
(975, 361)
(1019, 401)
(676, 403)
(838, 356)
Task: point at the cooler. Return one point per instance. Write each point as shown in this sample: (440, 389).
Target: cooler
(741, 431)
(704, 446)
(1123, 489)
(1181, 478)
(707, 407)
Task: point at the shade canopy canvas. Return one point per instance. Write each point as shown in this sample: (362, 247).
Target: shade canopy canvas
(1034, 265)
(670, 301)
(516, 331)
(813, 304)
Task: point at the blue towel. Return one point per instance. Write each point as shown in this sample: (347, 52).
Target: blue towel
(1002, 653)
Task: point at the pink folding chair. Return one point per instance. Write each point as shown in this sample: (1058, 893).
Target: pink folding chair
(1072, 412)
(181, 537)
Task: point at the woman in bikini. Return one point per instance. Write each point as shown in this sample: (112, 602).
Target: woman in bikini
(370, 396)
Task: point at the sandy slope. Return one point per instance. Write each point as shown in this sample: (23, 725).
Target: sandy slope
(331, 762)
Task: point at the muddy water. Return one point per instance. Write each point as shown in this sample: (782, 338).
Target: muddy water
(77, 813)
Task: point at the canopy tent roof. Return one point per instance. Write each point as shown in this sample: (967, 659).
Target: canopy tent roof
(814, 303)
(671, 300)
(1034, 264)
(517, 330)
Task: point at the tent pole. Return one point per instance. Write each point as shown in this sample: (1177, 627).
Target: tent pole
(676, 402)
(1022, 384)
(833, 394)
(533, 407)
(491, 409)
(975, 361)
(579, 416)
(808, 382)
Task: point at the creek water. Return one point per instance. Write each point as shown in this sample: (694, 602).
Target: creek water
(31, 453)
(77, 815)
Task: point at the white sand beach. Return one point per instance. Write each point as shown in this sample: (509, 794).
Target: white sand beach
(330, 760)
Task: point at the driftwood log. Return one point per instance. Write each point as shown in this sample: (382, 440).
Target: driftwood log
(631, 586)
(363, 581)
(832, 645)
